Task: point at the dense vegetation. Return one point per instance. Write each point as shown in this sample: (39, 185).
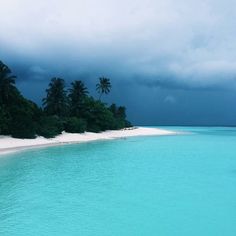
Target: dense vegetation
(72, 110)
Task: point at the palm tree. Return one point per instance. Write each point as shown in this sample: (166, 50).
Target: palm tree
(77, 94)
(55, 102)
(7, 81)
(104, 86)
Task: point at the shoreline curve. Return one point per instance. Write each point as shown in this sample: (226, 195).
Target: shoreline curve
(10, 145)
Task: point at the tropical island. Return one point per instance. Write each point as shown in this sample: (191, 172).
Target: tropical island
(66, 116)
(72, 110)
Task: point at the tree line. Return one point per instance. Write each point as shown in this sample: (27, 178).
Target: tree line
(72, 110)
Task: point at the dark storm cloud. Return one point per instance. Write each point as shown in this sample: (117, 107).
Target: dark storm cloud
(173, 83)
(152, 38)
(156, 47)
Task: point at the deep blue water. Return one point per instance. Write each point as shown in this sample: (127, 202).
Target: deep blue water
(182, 185)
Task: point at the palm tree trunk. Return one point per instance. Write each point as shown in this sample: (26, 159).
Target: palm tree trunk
(100, 97)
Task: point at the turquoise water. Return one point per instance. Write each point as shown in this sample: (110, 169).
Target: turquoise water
(181, 185)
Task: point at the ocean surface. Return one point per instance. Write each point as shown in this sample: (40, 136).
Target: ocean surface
(183, 185)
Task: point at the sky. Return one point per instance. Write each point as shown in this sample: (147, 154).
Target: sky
(170, 62)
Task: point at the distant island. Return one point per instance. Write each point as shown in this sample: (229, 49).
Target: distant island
(72, 110)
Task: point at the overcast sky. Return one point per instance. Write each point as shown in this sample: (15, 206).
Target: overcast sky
(170, 62)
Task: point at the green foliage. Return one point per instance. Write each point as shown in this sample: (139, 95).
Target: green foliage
(21, 126)
(55, 102)
(77, 95)
(50, 126)
(4, 121)
(104, 86)
(119, 114)
(24, 116)
(75, 125)
(74, 113)
(99, 118)
(7, 88)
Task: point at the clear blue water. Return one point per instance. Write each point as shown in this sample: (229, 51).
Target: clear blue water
(174, 185)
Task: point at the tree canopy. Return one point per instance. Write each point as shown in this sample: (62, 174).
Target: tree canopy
(103, 87)
(55, 102)
(7, 85)
(77, 94)
(70, 109)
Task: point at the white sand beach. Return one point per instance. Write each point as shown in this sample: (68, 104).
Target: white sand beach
(9, 144)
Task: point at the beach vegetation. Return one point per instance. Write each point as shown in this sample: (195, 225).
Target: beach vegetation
(49, 126)
(63, 109)
(55, 102)
(103, 87)
(77, 96)
(75, 125)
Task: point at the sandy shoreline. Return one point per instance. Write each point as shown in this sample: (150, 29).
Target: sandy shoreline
(9, 144)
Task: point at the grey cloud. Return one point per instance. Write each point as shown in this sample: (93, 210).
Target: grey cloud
(170, 99)
(153, 38)
(174, 83)
(151, 49)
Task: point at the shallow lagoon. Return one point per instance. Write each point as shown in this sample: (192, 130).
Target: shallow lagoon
(165, 186)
